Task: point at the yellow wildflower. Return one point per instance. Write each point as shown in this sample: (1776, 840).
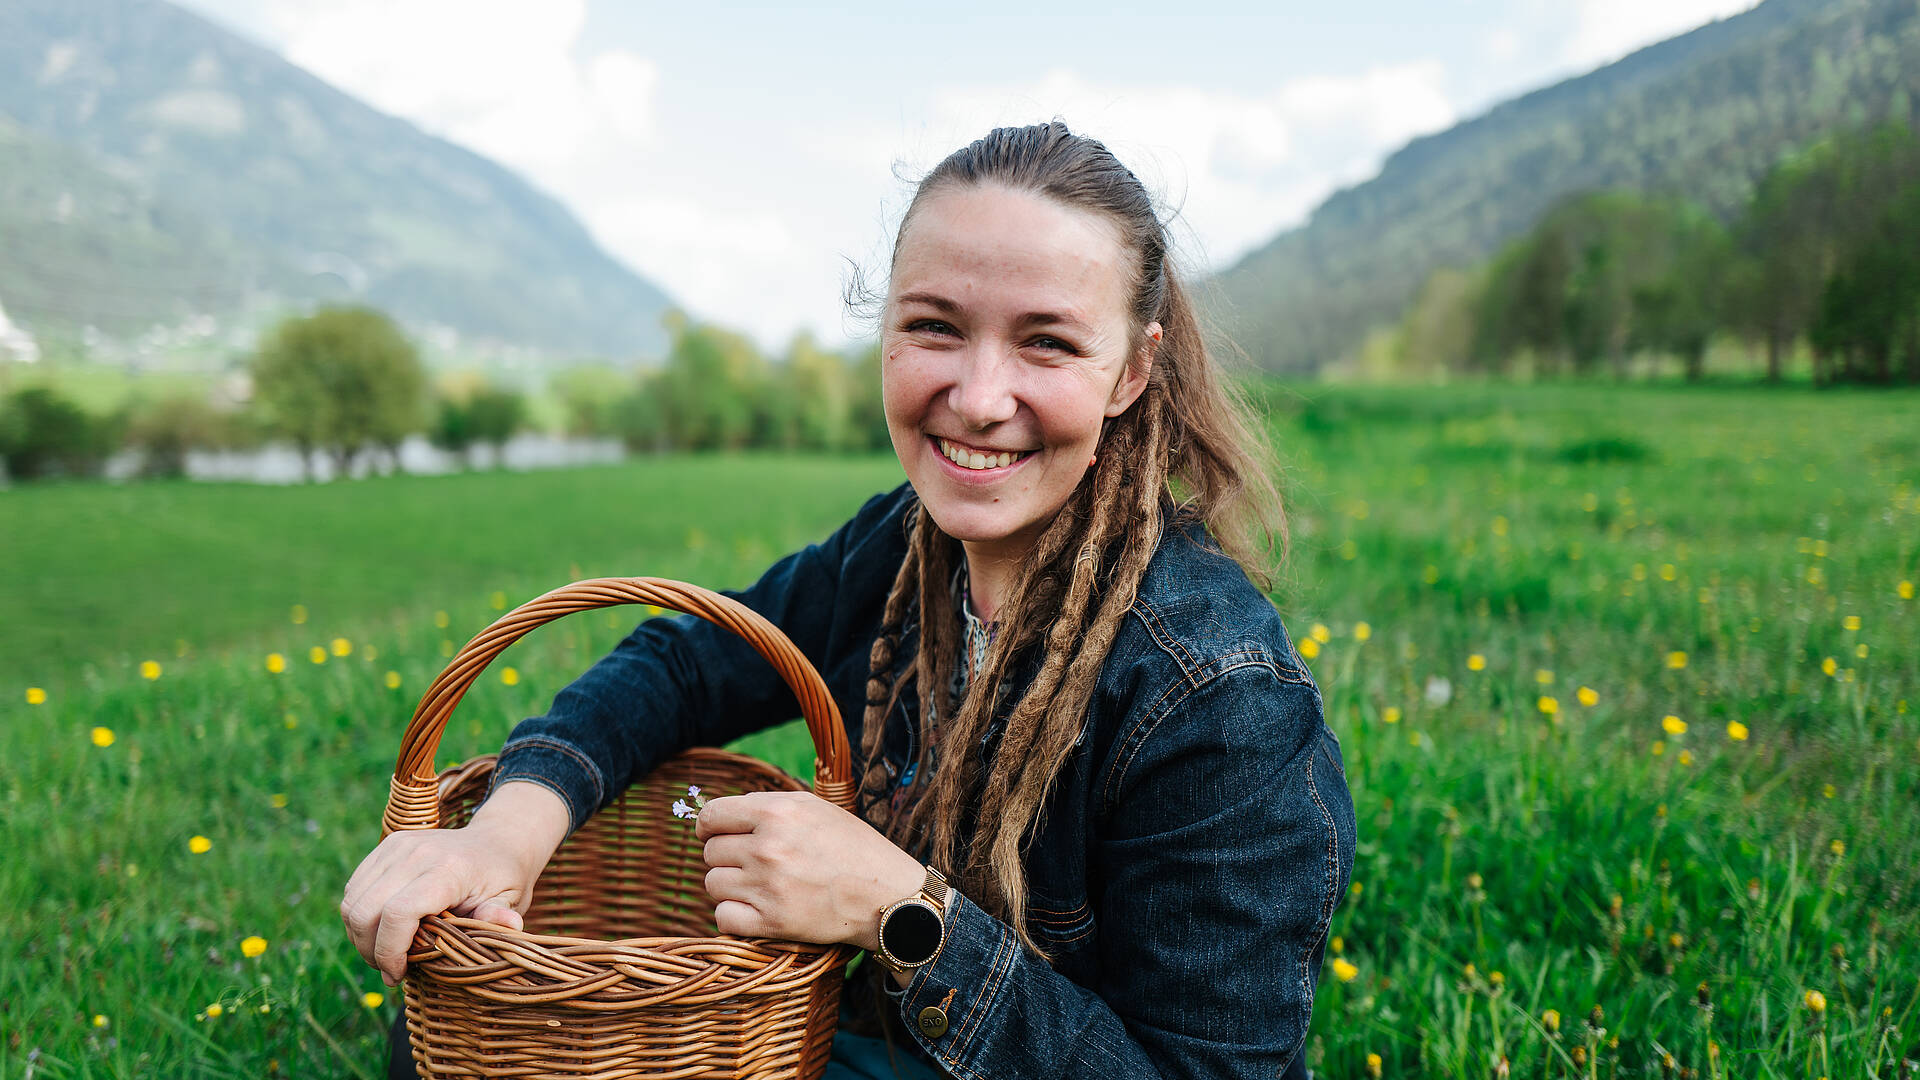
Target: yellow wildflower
(199, 845)
(317, 654)
(1320, 633)
(1354, 889)
(1668, 572)
(36, 696)
(1828, 791)
(1851, 622)
(103, 736)
(299, 614)
(215, 1009)
(253, 946)
(150, 670)
(1309, 648)
(99, 1020)
(1543, 676)
(1373, 1065)
(1343, 970)
(1673, 725)
(1686, 757)
(1676, 659)
(1551, 1020)
(1549, 705)
(1362, 631)
(1829, 666)
(1659, 747)
(393, 680)
(1816, 1001)
(342, 647)
(1838, 847)
(1736, 731)
(1496, 978)
(1391, 714)
(1476, 662)
(1904, 590)
(1588, 696)
(440, 619)
(276, 663)
(279, 800)
(1338, 944)
(1861, 650)
(510, 676)
(373, 999)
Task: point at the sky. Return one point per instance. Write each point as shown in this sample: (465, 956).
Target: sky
(745, 156)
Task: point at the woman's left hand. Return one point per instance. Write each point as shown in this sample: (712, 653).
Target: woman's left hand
(791, 865)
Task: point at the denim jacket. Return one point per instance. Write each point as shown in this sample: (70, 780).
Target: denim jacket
(1188, 864)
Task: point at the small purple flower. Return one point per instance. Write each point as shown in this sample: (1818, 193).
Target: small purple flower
(690, 812)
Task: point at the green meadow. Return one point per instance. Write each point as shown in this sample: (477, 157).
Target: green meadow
(1627, 681)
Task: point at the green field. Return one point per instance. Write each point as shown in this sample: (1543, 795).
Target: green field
(1733, 801)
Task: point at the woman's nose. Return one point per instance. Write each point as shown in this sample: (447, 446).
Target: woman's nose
(983, 392)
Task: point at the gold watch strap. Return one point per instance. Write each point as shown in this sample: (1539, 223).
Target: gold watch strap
(935, 888)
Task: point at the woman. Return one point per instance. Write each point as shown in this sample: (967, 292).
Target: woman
(1073, 699)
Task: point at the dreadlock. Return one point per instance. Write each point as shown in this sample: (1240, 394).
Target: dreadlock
(1187, 434)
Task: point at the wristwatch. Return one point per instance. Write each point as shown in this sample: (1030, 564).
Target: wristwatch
(913, 928)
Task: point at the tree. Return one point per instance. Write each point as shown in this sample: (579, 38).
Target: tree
(711, 390)
(44, 434)
(1810, 215)
(1870, 307)
(169, 427)
(340, 380)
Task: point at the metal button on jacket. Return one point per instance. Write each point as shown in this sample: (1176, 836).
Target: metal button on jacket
(933, 1021)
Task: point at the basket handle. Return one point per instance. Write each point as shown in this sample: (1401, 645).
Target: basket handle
(413, 801)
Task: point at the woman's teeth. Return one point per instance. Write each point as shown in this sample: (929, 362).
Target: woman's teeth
(973, 459)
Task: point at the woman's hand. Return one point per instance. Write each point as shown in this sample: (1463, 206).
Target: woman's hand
(791, 865)
(486, 871)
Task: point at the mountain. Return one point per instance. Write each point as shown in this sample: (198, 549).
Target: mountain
(1702, 116)
(154, 166)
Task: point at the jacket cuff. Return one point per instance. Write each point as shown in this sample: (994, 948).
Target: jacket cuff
(558, 766)
(963, 983)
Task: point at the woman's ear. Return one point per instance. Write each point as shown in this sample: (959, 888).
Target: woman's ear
(1133, 380)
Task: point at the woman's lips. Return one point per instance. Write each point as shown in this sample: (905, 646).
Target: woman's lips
(976, 461)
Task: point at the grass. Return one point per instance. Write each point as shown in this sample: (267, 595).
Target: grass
(1546, 876)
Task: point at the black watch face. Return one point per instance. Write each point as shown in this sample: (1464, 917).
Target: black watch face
(912, 933)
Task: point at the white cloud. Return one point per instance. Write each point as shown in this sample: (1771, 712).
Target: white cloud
(762, 248)
(1606, 30)
(1238, 168)
(505, 82)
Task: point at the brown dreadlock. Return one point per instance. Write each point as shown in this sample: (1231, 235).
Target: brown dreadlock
(1187, 434)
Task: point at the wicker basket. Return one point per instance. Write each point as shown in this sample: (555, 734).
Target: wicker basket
(620, 971)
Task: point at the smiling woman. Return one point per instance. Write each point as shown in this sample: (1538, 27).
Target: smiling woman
(1102, 825)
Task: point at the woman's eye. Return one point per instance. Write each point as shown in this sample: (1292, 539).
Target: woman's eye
(1052, 343)
(931, 326)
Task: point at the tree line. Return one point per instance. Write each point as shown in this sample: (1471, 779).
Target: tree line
(346, 383)
(1825, 257)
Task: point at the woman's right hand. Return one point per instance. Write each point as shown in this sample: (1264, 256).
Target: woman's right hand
(485, 870)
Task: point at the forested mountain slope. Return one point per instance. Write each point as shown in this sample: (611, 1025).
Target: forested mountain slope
(1701, 116)
(153, 166)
